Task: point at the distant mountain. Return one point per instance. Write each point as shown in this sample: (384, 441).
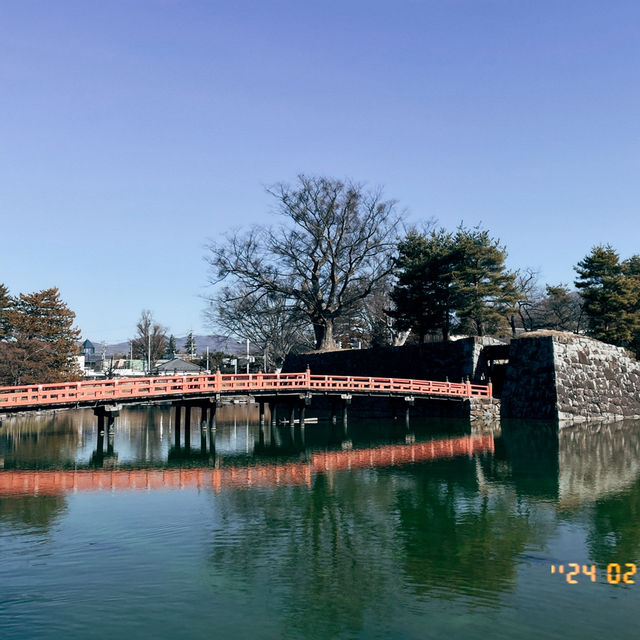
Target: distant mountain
(215, 343)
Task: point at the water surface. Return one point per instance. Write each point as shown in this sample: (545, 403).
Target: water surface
(373, 530)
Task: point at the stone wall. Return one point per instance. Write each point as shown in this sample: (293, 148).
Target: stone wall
(594, 380)
(561, 376)
(455, 361)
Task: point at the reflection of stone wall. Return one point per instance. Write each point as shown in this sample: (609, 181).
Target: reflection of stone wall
(432, 361)
(553, 375)
(598, 460)
(529, 387)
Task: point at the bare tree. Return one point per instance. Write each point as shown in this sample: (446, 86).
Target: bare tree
(370, 322)
(150, 342)
(338, 243)
(529, 298)
(267, 320)
(561, 309)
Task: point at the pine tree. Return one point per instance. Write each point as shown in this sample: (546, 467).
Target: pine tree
(42, 342)
(190, 345)
(485, 292)
(423, 295)
(6, 303)
(171, 347)
(445, 278)
(611, 294)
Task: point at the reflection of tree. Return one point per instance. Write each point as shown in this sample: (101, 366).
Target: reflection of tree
(333, 551)
(456, 540)
(615, 535)
(40, 441)
(33, 511)
(329, 548)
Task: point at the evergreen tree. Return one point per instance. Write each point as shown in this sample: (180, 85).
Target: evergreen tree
(171, 347)
(42, 341)
(6, 303)
(485, 291)
(445, 278)
(423, 295)
(611, 294)
(190, 345)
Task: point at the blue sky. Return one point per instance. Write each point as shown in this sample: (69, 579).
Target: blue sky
(132, 131)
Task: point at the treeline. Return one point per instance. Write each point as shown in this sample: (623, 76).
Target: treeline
(38, 341)
(338, 270)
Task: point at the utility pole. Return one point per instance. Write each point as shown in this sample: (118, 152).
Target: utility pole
(247, 355)
(207, 357)
(149, 353)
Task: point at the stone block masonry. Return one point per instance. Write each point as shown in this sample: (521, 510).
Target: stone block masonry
(561, 376)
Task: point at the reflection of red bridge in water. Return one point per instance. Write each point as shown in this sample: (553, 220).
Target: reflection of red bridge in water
(56, 482)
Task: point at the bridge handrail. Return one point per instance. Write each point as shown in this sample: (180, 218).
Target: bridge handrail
(159, 386)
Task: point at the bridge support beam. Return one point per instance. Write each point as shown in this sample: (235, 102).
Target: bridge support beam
(261, 404)
(273, 410)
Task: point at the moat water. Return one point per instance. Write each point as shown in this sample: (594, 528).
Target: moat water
(376, 530)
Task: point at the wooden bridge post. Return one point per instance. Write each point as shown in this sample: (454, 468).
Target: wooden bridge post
(212, 439)
(334, 411)
(100, 444)
(110, 412)
(212, 417)
(346, 401)
(407, 413)
(111, 431)
(273, 409)
(292, 414)
(203, 428)
(177, 420)
(261, 404)
(301, 414)
(187, 426)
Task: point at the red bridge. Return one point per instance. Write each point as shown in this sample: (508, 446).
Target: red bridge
(131, 390)
(297, 473)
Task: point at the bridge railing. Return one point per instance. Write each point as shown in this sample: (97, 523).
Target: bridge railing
(157, 387)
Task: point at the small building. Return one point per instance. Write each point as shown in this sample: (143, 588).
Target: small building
(177, 366)
(87, 348)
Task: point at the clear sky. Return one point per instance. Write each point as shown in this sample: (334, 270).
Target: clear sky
(133, 130)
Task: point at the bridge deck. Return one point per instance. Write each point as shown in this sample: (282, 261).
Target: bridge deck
(96, 392)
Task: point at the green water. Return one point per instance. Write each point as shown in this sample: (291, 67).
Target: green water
(456, 547)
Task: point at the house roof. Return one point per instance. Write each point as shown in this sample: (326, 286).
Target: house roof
(178, 364)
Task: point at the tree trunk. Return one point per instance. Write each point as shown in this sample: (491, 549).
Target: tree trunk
(324, 334)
